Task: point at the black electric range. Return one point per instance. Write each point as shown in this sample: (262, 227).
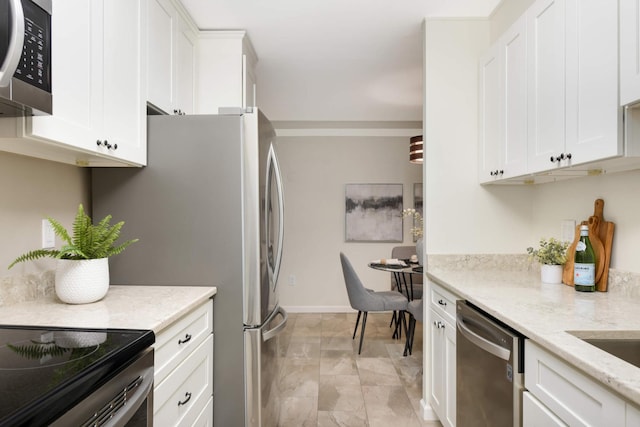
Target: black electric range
(45, 371)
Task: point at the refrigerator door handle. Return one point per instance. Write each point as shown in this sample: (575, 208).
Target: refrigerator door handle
(267, 335)
(273, 168)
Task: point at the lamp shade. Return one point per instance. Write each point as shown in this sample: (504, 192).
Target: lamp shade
(415, 149)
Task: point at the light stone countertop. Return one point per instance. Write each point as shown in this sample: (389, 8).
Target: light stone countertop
(128, 307)
(544, 313)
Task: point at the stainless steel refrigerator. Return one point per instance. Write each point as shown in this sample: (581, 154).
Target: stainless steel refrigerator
(208, 210)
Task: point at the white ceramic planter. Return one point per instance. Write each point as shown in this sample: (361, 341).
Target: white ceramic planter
(82, 281)
(551, 273)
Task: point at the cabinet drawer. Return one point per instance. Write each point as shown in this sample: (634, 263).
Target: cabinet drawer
(176, 342)
(205, 419)
(181, 397)
(443, 303)
(535, 414)
(573, 397)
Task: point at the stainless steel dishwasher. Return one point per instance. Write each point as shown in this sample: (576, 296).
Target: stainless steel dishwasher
(489, 370)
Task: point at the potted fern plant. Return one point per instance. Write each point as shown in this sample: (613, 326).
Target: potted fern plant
(552, 254)
(82, 269)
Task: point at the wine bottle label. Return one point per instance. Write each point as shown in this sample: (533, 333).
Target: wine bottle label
(584, 274)
(581, 246)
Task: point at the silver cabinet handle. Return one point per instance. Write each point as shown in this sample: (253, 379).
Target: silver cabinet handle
(16, 41)
(438, 324)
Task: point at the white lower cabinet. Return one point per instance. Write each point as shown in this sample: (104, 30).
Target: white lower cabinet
(442, 332)
(560, 395)
(535, 414)
(183, 388)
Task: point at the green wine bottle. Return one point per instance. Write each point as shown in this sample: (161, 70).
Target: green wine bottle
(584, 270)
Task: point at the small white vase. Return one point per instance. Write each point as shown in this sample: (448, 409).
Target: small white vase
(82, 281)
(551, 273)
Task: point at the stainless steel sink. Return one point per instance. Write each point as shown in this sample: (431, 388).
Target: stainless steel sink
(624, 345)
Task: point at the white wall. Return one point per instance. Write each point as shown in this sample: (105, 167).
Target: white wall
(463, 217)
(574, 200)
(315, 170)
(31, 190)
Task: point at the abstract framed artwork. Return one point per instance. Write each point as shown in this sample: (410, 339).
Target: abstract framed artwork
(373, 212)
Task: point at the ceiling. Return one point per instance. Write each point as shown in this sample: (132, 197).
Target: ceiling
(335, 60)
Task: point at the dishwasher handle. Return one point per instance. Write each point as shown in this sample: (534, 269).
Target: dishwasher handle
(483, 343)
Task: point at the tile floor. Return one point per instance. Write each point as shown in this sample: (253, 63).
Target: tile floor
(324, 382)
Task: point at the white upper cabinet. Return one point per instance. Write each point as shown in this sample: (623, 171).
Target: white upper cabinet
(514, 124)
(171, 58)
(503, 106)
(592, 113)
(226, 71)
(629, 51)
(573, 83)
(546, 89)
(558, 89)
(490, 166)
(124, 119)
(98, 71)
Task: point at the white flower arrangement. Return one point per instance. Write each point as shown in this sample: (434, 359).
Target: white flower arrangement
(418, 222)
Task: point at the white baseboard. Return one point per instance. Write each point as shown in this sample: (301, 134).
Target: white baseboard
(428, 414)
(318, 309)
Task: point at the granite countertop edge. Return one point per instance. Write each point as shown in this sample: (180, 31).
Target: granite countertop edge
(124, 307)
(547, 313)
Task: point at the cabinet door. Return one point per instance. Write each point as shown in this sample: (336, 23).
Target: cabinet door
(124, 74)
(514, 109)
(74, 80)
(629, 51)
(546, 83)
(185, 65)
(448, 415)
(592, 107)
(438, 397)
(535, 414)
(489, 138)
(161, 23)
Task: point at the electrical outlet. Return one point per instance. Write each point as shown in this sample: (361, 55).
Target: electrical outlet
(292, 280)
(48, 235)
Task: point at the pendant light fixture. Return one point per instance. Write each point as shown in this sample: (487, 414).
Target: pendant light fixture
(415, 149)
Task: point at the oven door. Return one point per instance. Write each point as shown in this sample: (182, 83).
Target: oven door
(125, 400)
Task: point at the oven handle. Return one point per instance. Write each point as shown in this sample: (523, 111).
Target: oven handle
(483, 343)
(14, 50)
(141, 392)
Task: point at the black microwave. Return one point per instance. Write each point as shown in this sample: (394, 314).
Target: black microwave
(25, 57)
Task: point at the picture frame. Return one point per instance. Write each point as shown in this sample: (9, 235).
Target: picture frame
(373, 212)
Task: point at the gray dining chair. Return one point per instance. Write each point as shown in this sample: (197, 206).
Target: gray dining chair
(405, 252)
(415, 309)
(365, 300)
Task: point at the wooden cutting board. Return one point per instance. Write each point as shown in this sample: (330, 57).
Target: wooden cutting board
(605, 233)
(601, 237)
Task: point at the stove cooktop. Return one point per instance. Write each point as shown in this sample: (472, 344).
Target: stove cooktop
(46, 371)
